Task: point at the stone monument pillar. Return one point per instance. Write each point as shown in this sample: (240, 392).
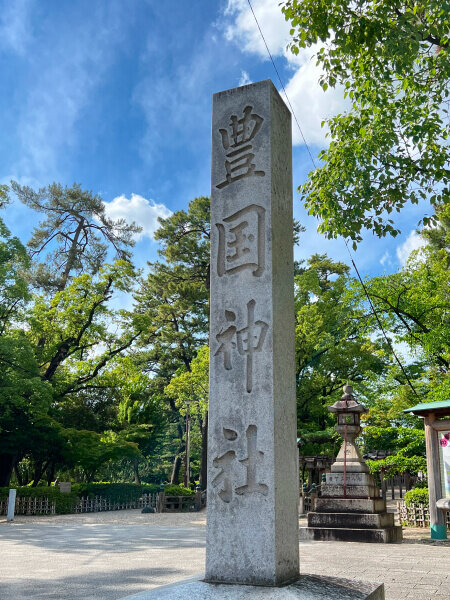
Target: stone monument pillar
(252, 500)
(253, 475)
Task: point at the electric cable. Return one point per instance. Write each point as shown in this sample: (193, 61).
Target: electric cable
(345, 241)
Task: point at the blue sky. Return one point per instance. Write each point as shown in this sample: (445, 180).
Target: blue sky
(116, 95)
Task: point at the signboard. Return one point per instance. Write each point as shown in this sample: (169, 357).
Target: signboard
(444, 454)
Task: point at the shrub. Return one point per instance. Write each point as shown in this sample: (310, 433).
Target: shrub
(177, 490)
(115, 492)
(417, 496)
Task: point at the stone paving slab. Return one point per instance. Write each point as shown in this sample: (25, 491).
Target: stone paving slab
(107, 556)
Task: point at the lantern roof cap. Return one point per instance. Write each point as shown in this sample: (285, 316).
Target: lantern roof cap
(347, 403)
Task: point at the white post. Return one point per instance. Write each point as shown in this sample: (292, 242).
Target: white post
(11, 505)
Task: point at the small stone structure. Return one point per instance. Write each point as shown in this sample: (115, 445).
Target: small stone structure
(350, 507)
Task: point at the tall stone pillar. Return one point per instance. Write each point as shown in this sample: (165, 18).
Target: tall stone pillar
(252, 520)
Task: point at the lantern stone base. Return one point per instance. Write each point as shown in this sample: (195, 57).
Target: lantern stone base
(353, 512)
(307, 587)
(387, 535)
(351, 520)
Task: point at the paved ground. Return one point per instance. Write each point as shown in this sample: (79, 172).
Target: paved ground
(114, 554)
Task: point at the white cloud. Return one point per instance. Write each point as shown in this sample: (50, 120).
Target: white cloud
(386, 258)
(245, 78)
(64, 75)
(143, 212)
(243, 30)
(15, 26)
(310, 103)
(413, 242)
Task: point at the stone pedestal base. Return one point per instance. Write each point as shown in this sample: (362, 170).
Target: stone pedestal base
(307, 587)
(388, 535)
(353, 512)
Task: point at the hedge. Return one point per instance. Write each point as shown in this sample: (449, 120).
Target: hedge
(177, 490)
(115, 492)
(417, 496)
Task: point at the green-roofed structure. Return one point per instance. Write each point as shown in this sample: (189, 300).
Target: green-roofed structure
(438, 408)
(436, 417)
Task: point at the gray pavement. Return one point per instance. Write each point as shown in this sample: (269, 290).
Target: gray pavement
(77, 558)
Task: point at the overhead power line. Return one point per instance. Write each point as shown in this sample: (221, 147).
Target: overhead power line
(380, 325)
(282, 84)
(345, 241)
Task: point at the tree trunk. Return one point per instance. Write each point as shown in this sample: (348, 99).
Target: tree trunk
(175, 477)
(39, 470)
(137, 478)
(71, 256)
(6, 468)
(203, 479)
(18, 476)
(51, 473)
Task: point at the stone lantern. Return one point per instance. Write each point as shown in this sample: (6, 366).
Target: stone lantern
(350, 507)
(348, 411)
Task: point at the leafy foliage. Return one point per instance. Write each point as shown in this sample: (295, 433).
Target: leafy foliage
(403, 441)
(114, 492)
(178, 490)
(390, 147)
(417, 496)
(392, 465)
(75, 233)
(333, 345)
(192, 386)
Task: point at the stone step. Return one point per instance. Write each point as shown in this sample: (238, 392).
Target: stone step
(349, 505)
(351, 479)
(387, 535)
(349, 520)
(351, 491)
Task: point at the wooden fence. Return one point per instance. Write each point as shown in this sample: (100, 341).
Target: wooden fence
(29, 506)
(416, 516)
(99, 504)
(43, 506)
(159, 501)
(399, 484)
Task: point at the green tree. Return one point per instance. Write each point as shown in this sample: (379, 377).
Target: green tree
(390, 147)
(192, 388)
(438, 236)
(142, 413)
(172, 305)
(333, 346)
(75, 235)
(14, 261)
(24, 398)
(89, 450)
